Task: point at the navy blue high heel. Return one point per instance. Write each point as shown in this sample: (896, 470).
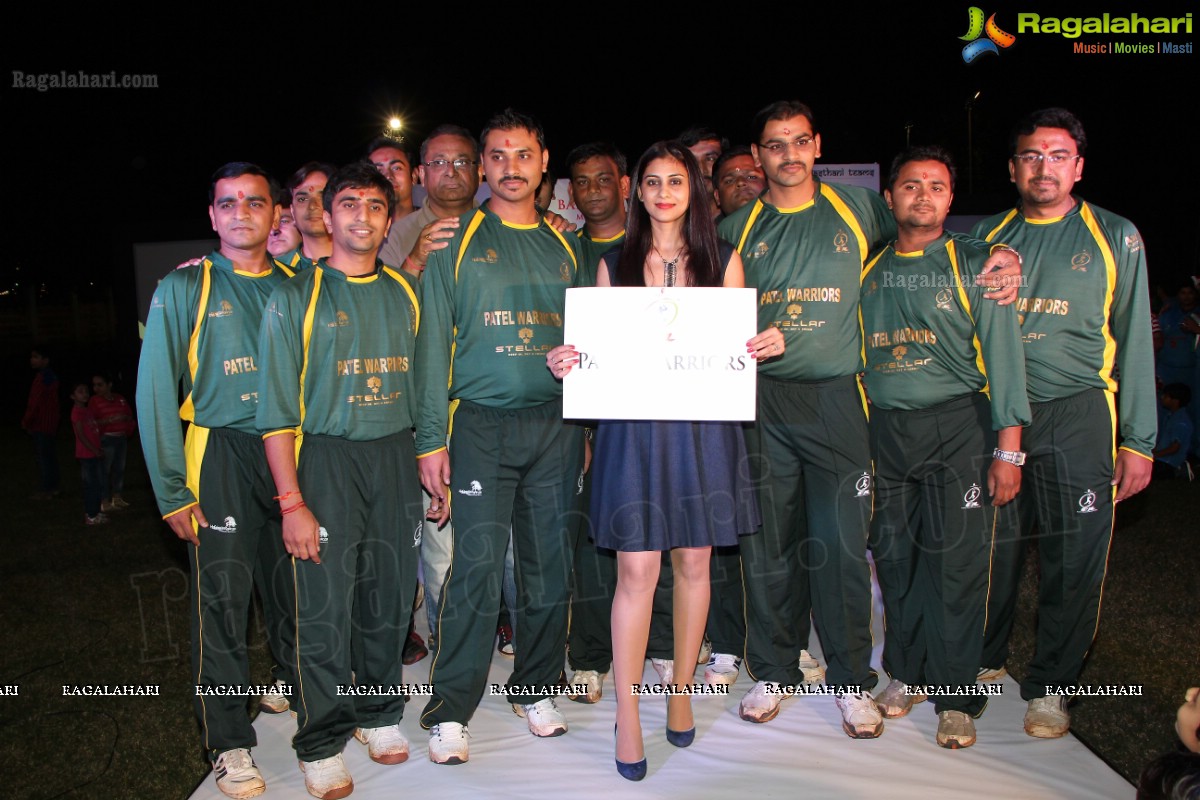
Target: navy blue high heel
(680, 738)
(631, 771)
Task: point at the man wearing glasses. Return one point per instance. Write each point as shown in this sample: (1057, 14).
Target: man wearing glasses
(449, 171)
(1085, 319)
(804, 243)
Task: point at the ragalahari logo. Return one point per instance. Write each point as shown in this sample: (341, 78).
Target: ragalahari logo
(976, 28)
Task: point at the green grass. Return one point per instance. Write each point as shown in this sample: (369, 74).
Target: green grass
(107, 605)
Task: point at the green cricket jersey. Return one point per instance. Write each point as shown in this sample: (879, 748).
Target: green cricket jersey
(929, 335)
(202, 329)
(295, 260)
(591, 251)
(806, 264)
(1084, 311)
(493, 306)
(336, 355)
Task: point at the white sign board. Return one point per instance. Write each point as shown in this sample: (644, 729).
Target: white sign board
(674, 353)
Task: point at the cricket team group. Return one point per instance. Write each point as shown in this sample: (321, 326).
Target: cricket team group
(386, 397)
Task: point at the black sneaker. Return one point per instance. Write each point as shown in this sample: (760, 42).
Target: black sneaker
(504, 640)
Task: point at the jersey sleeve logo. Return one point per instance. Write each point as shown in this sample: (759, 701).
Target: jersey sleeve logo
(1133, 242)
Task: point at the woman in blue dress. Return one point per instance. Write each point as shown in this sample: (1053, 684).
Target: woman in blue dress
(677, 486)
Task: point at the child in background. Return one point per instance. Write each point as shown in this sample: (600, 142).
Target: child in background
(90, 454)
(1174, 433)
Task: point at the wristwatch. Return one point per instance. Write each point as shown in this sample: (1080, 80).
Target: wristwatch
(1014, 457)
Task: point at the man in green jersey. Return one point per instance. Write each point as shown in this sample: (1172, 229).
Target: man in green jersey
(306, 186)
(336, 346)
(494, 301)
(202, 331)
(1085, 319)
(804, 243)
(947, 385)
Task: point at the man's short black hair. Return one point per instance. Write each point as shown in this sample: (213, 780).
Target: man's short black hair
(510, 120)
(729, 153)
(301, 175)
(357, 175)
(1050, 118)
(701, 133)
(927, 152)
(236, 169)
(448, 129)
(387, 141)
(598, 150)
(780, 110)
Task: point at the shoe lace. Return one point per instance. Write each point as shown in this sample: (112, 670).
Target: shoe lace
(723, 660)
(234, 760)
(449, 732)
(546, 706)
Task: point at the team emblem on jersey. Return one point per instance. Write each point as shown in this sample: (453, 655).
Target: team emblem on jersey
(759, 250)
(564, 271)
(374, 384)
(526, 334)
(943, 300)
(841, 242)
(475, 491)
(898, 351)
(862, 486)
(1087, 502)
(489, 257)
(230, 526)
(322, 535)
(1133, 242)
(341, 320)
(417, 534)
(224, 310)
(794, 310)
(1080, 260)
(971, 496)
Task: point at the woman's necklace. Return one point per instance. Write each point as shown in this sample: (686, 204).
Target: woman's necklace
(669, 267)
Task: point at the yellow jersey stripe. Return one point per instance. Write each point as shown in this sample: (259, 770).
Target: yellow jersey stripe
(1110, 271)
(1007, 219)
(966, 303)
(848, 217)
(750, 220)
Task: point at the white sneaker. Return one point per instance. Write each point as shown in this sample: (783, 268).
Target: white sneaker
(705, 651)
(761, 703)
(722, 669)
(385, 745)
(543, 717)
(275, 701)
(860, 717)
(665, 668)
(327, 778)
(955, 730)
(812, 669)
(990, 674)
(1047, 717)
(895, 701)
(448, 743)
(237, 776)
(592, 683)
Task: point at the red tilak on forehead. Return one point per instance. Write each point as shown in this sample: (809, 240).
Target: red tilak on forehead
(241, 195)
(924, 175)
(787, 132)
(507, 143)
(1045, 145)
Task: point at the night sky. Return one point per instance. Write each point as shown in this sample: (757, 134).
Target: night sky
(99, 169)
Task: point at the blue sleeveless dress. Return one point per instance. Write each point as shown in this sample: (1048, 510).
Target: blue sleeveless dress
(660, 485)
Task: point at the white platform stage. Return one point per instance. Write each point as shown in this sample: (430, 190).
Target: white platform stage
(802, 753)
